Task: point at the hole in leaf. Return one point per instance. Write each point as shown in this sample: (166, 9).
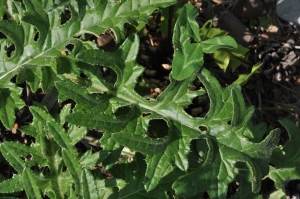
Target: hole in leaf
(267, 185)
(142, 88)
(109, 75)
(232, 189)
(203, 128)
(107, 40)
(36, 36)
(199, 106)
(86, 37)
(145, 114)
(28, 157)
(10, 50)
(63, 169)
(2, 36)
(82, 75)
(65, 16)
(196, 85)
(45, 170)
(192, 40)
(122, 110)
(70, 47)
(229, 122)
(158, 128)
(5, 17)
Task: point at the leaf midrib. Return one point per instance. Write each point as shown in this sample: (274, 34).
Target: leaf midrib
(156, 107)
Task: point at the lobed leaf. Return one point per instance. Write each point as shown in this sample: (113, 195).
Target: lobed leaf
(11, 185)
(285, 158)
(223, 127)
(35, 60)
(189, 49)
(10, 101)
(89, 189)
(30, 184)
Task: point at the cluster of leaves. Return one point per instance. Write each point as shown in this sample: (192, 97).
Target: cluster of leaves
(185, 156)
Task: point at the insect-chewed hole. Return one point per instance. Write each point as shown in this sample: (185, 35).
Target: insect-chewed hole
(158, 128)
(142, 88)
(36, 36)
(28, 157)
(45, 170)
(82, 75)
(63, 169)
(2, 36)
(5, 17)
(145, 114)
(107, 39)
(122, 110)
(232, 189)
(229, 122)
(109, 75)
(196, 85)
(203, 128)
(70, 47)
(10, 50)
(199, 106)
(65, 16)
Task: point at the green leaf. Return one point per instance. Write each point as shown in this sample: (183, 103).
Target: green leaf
(60, 137)
(36, 60)
(189, 48)
(223, 57)
(73, 168)
(226, 121)
(210, 45)
(89, 160)
(89, 189)
(188, 56)
(285, 158)
(126, 118)
(46, 152)
(218, 163)
(30, 184)
(12, 157)
(11, 185)
(133, 173)
(10, 101)
(243, 78)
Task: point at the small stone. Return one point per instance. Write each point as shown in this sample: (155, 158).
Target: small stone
(275, 56)
(287, 45)
(158, 90)
(291, 41)
(167, 66)
(278, 76)
(291, 56)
